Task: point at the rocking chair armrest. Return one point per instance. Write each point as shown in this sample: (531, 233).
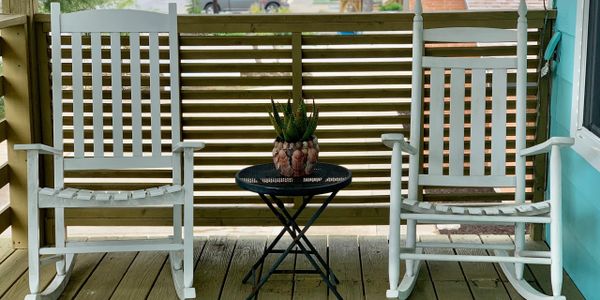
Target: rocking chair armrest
(389, 139)
(546, 146)
(41, 148)
(195, 145)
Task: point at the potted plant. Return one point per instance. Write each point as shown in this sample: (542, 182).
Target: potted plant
(295, 150)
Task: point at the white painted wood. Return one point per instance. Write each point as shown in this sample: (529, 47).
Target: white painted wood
(469, 35)
(33, 231)
(436, 122)
(97, 95)
(136, 95)
(174, 76)
(475, 258)
(477, 144)
(408, 282)
(114, 20)
(39, 148)
(546, 146)
(459, 218)
(390, 140)
(395, 209)
(54, 290)
(415, 136)
(520, 135)
(535, 253)
(154, 94)
(59, 237)
(466, 246)
(77, 94)
(117, 163)
(521, 285)
(117, 93)
(113, 23)
(457, 121)
(556, 241)
(467, 181)
(469, 63)
(188, 218)
(56, 77)
(114, 246)
(499, 122)
(177, 274)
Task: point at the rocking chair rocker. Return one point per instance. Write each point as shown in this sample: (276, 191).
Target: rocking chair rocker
(415, 211)
(128, 106)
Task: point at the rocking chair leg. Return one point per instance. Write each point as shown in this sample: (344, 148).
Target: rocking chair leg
(411, 242)
(34, 258)
(60, 236)
(177, 210)
(394, 250)
(519, 246)
(33, 230)
(556, 240)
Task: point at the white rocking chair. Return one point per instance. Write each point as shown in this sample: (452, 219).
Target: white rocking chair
(130, 145)
(414, 211)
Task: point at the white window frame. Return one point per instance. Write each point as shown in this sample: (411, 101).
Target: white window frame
(587, 144)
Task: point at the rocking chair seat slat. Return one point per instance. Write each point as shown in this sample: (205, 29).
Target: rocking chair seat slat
(70, 197)
(532, 209)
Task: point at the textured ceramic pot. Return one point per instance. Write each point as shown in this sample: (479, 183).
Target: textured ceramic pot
(295, 159)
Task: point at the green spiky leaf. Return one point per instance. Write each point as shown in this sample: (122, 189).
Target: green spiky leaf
(276, 120)
(276, 126)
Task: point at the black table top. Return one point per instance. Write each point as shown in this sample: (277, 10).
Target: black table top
(265, 179)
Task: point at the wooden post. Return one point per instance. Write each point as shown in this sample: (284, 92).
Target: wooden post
(296, 67)
(542, 132)
(20, 109)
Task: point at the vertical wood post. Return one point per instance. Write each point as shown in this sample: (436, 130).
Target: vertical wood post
(297, 81)
(296, 67)
(540, 173)
(19, 74)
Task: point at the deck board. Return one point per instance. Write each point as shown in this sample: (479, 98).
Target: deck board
(374, 260)
(11, 269)
(163, 288)
(359, 261)
(211, 268)
(85, 264)
(101, 284)
(138, 281)
(448, 278)
(247, 251)
(344, 260)
(482, 278)
(278, 284)
(310, 286)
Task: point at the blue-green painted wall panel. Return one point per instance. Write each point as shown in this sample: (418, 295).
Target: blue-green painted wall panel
(581, 181)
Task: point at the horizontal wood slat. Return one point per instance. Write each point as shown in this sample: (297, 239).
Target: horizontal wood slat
(5, 218)
(231, 65)
(3, 128)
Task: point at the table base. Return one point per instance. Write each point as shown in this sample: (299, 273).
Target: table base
(300, 242)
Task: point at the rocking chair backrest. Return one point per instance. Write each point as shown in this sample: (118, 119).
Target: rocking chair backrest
(468, 80)
(119, 87)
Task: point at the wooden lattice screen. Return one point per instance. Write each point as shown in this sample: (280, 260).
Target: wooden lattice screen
(355, 66)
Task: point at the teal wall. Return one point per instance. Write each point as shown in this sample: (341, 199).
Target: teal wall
(581, 181)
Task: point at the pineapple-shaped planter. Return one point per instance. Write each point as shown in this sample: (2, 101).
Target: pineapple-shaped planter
(296, 149)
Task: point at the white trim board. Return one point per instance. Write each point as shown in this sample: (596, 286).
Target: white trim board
(586, 143)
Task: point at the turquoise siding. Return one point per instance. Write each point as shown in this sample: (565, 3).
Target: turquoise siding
(581, 181)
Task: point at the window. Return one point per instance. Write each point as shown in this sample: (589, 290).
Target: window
(591, 110)
(585, 110)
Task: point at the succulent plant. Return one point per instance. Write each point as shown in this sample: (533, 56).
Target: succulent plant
(295, 126)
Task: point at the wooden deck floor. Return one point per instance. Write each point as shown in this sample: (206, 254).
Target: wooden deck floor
(360, 262)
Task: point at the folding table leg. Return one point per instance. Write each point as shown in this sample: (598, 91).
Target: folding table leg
(269, 250)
